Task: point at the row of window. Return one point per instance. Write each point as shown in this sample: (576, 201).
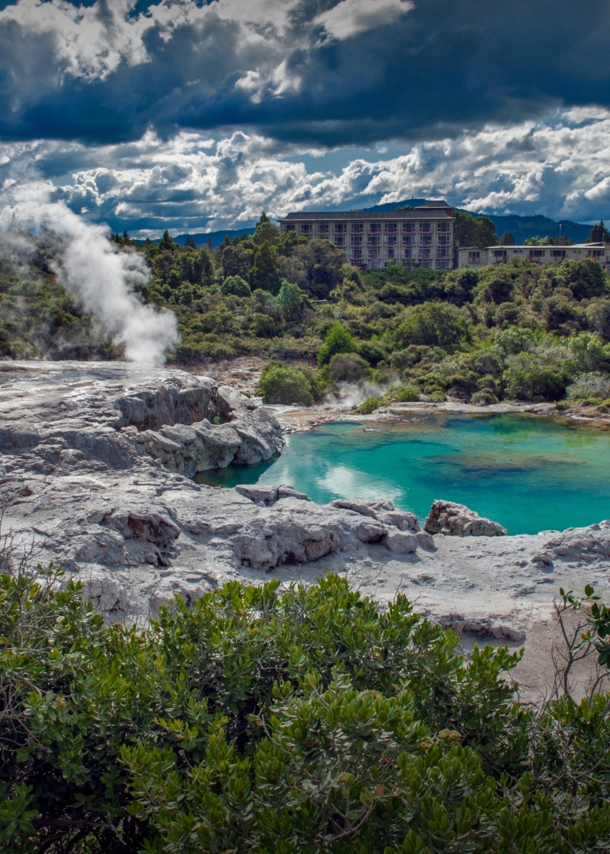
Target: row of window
(392, 240)
(358, 254)
(413, 265)
(307, 228)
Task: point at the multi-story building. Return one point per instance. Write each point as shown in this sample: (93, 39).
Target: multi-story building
(373, 239)
(493, 255)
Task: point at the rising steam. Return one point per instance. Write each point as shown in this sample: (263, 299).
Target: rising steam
(101, 279)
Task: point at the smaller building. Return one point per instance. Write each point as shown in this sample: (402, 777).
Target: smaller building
(494, 255)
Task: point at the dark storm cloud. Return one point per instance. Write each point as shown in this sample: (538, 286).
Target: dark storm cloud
(295, 70)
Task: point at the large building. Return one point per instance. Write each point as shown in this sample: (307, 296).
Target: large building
(493, 255)
(373, 239)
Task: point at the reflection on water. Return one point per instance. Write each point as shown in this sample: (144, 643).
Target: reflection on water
(528, 473)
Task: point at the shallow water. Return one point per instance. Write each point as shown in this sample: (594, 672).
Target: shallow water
(530, 474)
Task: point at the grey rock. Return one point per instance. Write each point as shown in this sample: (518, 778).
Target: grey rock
(361, 507)
(426, 541)
(399, 519)
(457, 520)
(401, 542)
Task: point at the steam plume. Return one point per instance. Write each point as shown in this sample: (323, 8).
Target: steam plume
(102, 279)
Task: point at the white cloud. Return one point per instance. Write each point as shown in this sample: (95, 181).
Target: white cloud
(192, 182)
(352, 17)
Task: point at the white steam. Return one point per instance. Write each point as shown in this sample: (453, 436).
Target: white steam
(102, 279)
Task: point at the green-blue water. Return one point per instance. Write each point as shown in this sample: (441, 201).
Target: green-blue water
(530, 474)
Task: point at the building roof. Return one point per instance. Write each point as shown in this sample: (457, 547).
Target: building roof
(528, 247)
(418, 213)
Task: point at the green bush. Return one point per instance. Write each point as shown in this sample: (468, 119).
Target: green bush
(407, 394)
(483, 398)
(236, 286)
(338, 340)
(370, 405)
(283, 384)
(434, 325)
(535, 383)
(293, 720)
(437, 396)
(348, 368)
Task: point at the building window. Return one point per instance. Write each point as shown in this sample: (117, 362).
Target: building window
(441, 265)
(408, 253)
(374, 227)
(391, 227)
(390, 253)
(357, 254)
(374, 240)
(305, 228)
(290, 226)
(408, 239)
(424, 252)
(426, 240)
(537, 253)
(408, 227)
(356, 239)
(426, 265)
(323, 228)
(443, 240)
(391, 239)
(340, 240)
(597, 253)
(474, 257)
(340, 228)
(443, 226)
(442, 253)
(425, 226)
(373, 253)
(357, 228)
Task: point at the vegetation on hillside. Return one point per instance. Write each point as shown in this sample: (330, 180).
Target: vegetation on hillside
(292, 722)
(519, 330)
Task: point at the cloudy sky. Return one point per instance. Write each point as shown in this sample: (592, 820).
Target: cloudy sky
(197, 115)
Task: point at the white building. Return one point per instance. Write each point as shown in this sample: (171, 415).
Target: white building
(493, 255)
(422, 238)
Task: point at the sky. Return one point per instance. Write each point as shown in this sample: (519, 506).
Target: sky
(196, 116)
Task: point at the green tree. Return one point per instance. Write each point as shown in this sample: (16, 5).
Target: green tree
(507, 239)
(190, 242)
(166, 243)
(599, 234)
(465, 230)
(485, 233)
(265, 231)
(263, 272)
(289, 301)
(236, 286)
(284, 384)
(338, 340)
(433, 324)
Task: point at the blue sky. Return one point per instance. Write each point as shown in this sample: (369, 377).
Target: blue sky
(197, 115)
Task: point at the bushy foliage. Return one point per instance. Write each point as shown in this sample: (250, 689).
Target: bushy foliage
(284, 384)
(236, 286)
(288, 721)
(338, 340)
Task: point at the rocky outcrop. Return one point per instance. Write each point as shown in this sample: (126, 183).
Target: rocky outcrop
(456, 520)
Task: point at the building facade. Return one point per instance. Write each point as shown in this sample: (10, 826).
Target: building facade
(422, 238)
(493, 255)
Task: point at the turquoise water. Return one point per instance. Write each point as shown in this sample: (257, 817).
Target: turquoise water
(530, 474)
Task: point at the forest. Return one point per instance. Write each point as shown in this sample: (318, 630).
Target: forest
(517, 331)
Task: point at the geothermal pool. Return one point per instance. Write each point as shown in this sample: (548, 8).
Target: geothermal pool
(530, 474)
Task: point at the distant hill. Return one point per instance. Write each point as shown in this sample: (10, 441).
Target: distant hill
(521, 227)
(201, 239)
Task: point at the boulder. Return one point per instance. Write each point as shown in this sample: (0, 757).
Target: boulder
(457, 520)
(400, 542)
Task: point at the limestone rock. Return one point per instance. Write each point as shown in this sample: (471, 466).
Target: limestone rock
(400, 542)
(426, 541)
(457, 520)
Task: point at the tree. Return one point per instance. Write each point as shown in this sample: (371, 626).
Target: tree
(433, 324)
(486, 232)
(465, 230)
(166, 242)
(338, 340)
(190, 243)
(265, 231)
(263, 272)
(289, 301)
(285, 385)
(236, 286)
(507, 239)
(599, 234)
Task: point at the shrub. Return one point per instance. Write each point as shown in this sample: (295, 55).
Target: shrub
(436, 396)
(370, 405)
(372, 352)
(589, 386)
(235, 286)
(289, 301)
(484, 398)
(433, 324)
(283, 384)
(347, 367)
(535, 383)
(407, 394)
(338, 340)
